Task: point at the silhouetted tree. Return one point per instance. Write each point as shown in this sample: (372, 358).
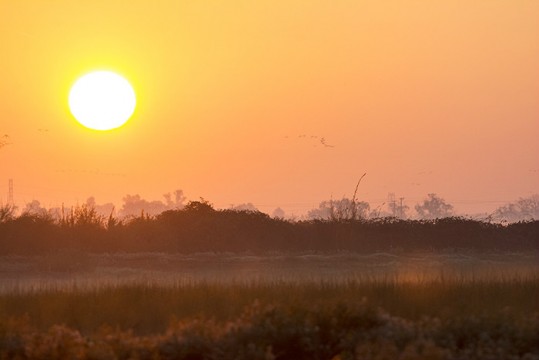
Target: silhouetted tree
(83, 216)
(7, 212)
(344, 209)
(434, 207)
(202, 206)
(199, 227)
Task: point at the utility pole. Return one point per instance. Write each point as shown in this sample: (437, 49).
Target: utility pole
(392, 204)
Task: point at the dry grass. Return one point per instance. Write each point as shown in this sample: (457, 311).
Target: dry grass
(147, 308)
(475, 313)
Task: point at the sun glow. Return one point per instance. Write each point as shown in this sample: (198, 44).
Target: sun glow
(102, 100)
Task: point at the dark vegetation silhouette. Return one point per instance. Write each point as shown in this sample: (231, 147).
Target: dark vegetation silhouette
(283, 327)
(198, 227)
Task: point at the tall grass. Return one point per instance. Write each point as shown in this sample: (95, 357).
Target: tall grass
(147, 308)
(445, 318)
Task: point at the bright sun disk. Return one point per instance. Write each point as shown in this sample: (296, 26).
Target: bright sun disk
(102, 100)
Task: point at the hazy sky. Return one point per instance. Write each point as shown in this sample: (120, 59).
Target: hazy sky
(234, 98)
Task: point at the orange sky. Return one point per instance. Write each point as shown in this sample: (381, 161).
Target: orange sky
(424, 96)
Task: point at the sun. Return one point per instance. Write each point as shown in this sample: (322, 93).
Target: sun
(102, 100)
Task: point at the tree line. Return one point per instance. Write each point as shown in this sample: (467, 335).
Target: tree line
(199, 227)
(431, 207)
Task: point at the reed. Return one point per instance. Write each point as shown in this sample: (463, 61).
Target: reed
(147, 308)
(446, 318)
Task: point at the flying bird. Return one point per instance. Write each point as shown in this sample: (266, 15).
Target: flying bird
(323, 142)
(316, 138)
(4, 140)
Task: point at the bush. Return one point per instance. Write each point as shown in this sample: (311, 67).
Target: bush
(279, 331)
(199, 228)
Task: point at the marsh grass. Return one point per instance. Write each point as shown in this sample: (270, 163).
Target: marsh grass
(147, 308)
(277, 306)
(437, 318)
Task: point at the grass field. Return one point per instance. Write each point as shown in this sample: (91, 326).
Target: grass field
(151, 306)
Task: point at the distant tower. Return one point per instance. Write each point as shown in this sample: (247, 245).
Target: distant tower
(392, 204)
(401, 208)
(10, 192)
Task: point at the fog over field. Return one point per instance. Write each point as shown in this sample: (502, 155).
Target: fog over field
(67, 269)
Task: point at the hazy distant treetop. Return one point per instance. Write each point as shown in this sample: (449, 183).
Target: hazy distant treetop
(102, 209)
(434, 207)
(523, 209)
(135, 205)
(179, 199)
(278, 213)
(34, 208)
(244, 207)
